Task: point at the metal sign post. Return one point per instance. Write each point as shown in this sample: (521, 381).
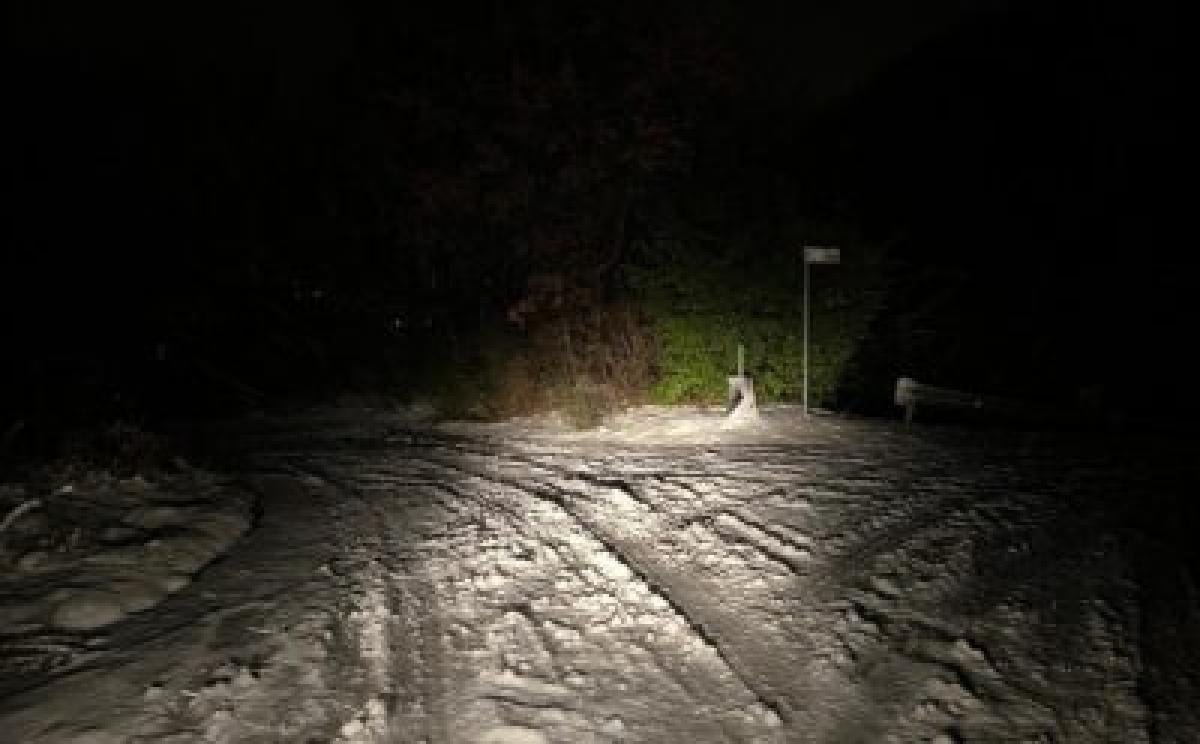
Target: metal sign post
(814, 254)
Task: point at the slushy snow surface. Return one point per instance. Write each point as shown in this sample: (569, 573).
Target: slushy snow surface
(665, 578)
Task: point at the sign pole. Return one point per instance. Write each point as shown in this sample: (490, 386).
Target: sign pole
(805, 394)
(820, 255)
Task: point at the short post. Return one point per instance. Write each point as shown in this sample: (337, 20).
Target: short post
(742, 407)
(906, 398)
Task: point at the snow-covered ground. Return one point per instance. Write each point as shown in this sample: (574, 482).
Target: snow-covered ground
(662, 579)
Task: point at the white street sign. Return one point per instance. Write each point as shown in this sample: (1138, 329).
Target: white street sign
(815, 254)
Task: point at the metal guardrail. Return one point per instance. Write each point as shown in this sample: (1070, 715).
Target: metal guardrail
(911, 395)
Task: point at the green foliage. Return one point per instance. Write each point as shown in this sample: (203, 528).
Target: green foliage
(705, 298)
(689, 351)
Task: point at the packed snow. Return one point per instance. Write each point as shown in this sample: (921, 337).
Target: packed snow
(664, 578)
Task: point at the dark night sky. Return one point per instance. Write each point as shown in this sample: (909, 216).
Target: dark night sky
(1022, 147)
(828, 47)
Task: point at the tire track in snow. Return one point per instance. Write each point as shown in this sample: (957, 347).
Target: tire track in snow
(628, 558)
(952, 670)
(499, 591)
(686, 668)
(692, 602)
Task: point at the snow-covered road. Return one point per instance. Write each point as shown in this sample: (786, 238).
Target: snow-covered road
(662, 580)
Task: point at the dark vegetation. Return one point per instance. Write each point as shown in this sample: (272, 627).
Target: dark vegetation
(510, 207)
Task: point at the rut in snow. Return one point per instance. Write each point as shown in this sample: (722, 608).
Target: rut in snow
(519, 586)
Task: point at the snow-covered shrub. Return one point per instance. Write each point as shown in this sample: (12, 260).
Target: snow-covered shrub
(586, 364)
(121, 448)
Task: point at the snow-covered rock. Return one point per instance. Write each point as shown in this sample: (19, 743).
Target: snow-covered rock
(87, 609)
(118, 535)
(137, 595)
(157, 517)
(511, 735)
(34, 560)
